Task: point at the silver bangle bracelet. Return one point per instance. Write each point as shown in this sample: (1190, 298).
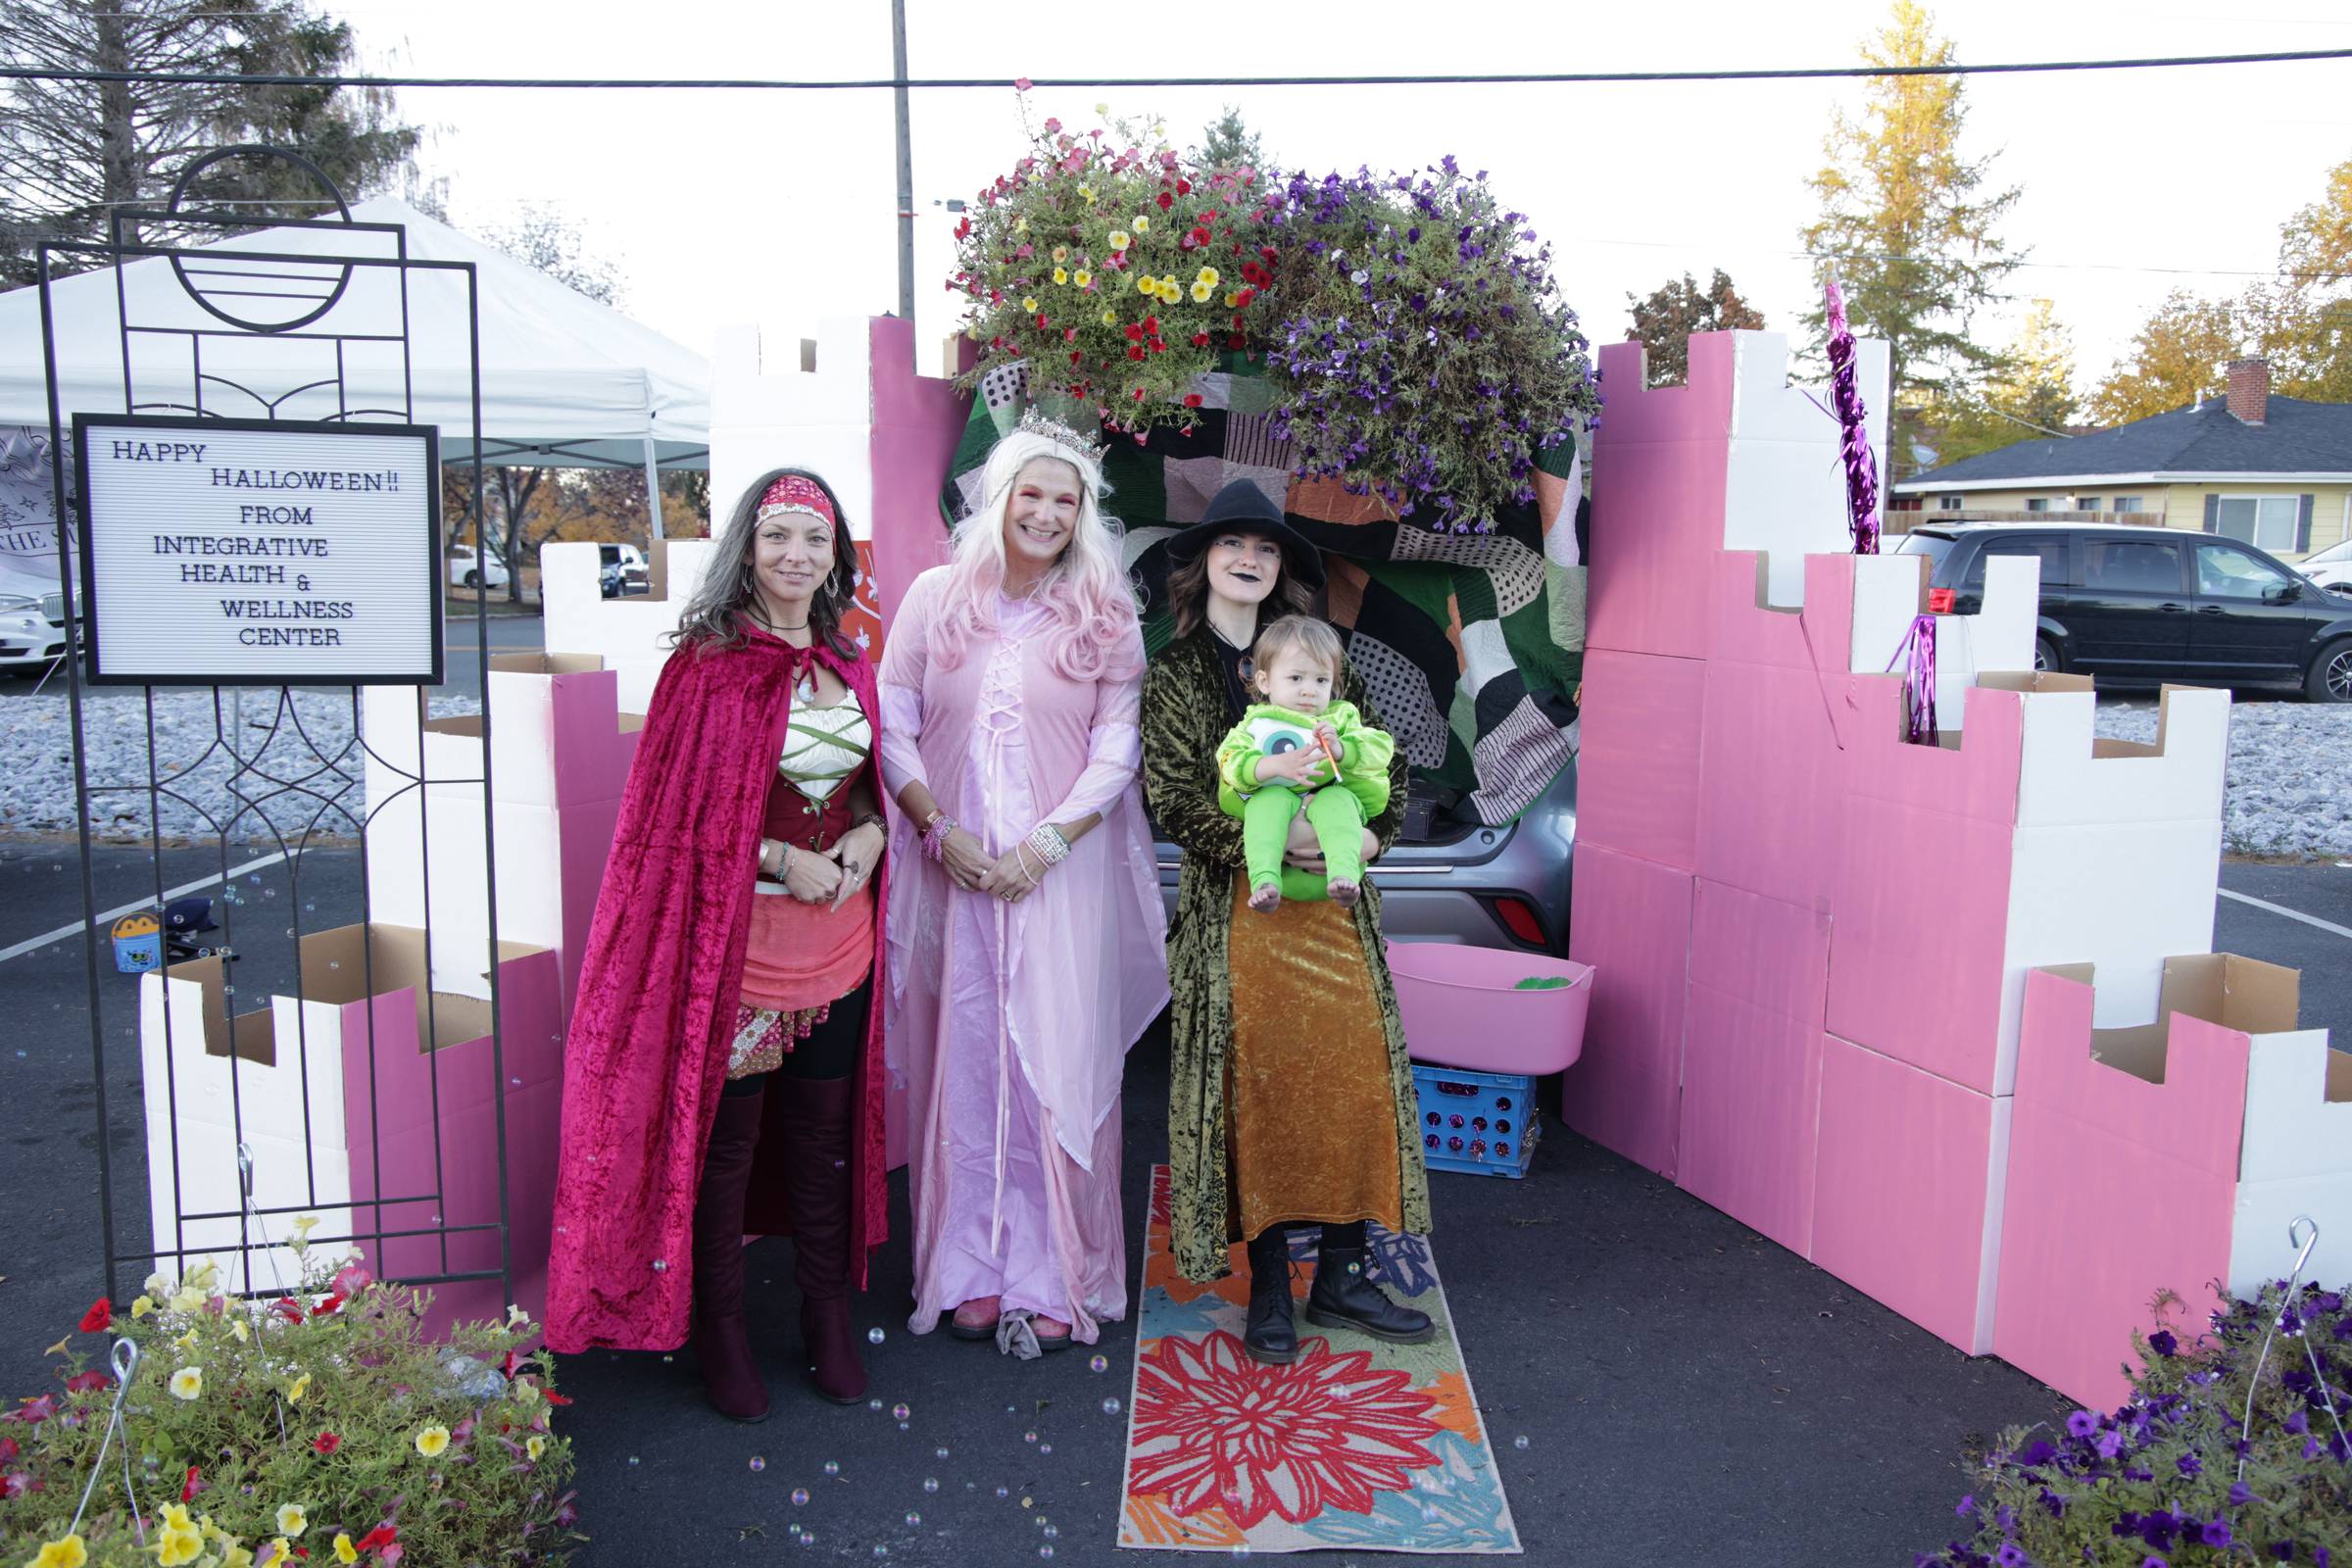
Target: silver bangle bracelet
(1050, 847)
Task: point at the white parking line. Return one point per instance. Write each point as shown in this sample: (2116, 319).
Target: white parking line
(2291, 914)
(111, 916)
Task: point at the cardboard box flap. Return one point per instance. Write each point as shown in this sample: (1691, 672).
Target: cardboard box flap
(547, 663)
(253, 1035)
(355, 963)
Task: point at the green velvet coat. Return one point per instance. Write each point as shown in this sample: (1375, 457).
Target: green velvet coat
(1184, 719)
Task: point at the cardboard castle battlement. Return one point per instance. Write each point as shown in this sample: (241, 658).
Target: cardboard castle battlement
(1813, 937)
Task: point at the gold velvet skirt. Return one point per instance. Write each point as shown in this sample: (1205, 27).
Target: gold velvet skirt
(1312, 1127)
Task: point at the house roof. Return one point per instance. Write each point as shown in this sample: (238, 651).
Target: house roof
(2299, 437)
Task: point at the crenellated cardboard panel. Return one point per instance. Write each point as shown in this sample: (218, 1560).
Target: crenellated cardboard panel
(630, 635)
(1625, 1090)
(1890, 592)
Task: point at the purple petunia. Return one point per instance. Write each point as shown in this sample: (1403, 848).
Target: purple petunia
(2163, 1343)
(2081, 1424)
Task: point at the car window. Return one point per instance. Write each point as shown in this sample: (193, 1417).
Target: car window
(2052, 551)
(2334, 554)
(2225, 571)
(1935, 547)
(2132, 565)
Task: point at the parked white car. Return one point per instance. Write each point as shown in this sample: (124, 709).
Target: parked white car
(2331, 568)
(465, 571)
(32, 619)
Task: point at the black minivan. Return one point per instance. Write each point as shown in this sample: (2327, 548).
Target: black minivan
(2154, 604)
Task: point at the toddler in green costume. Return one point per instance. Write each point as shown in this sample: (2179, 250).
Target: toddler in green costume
(1278, 760)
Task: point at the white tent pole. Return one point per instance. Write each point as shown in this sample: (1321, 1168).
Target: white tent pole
(652, 486)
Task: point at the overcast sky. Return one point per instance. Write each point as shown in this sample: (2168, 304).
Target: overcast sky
(777, 208)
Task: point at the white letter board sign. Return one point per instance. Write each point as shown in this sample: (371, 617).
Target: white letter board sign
(240, 552)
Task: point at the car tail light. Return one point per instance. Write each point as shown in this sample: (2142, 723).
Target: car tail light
(1939, 601)
(1520, 921)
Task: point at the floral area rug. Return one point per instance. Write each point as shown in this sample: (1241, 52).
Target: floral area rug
(1357, 1445)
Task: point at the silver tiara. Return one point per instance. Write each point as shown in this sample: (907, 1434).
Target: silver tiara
(1037, 421)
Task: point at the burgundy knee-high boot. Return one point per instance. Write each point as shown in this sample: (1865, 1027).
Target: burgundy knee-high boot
(730, 1375)
(815, 1120)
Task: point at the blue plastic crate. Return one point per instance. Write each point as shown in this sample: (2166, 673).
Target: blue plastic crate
(1484, 1122)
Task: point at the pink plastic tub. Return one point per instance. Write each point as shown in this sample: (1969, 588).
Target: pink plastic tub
(1461, 1010)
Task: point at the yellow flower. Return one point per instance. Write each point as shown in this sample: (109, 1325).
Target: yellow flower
(186, 1340)
(516, 1317)
(1233, 301)
(301, 1386)
(281, 1553)
(188, 1383)
(1088, 192)
(1206, 275)
(157, 1285)
(236, 1326)
(187, 1300)
(431, 1440)
(1082, 278)
(141, 1308)
(1146, 284)
(1102, 109)
(175, 1547)
(534, 1444)
(290, 1519)
(67, 1553)
(1029, 302)
(1160, 131)
(1170, 291)
(1110, 317)
(1120, 240)
(1142, 224)
(1062, 253)
(345, 1551)
(175, 1517)
(1201, 293)
(1061, 275)
(235, 1556)
(1020, 225)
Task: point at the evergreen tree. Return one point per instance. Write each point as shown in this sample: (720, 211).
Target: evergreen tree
(1230, 144)
(1664, 321)
(1907, 222)
(74, 152)
(2029, 395)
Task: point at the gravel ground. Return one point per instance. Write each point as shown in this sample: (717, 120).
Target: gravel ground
(290, 753)
(2289, 784)
(2289, 793)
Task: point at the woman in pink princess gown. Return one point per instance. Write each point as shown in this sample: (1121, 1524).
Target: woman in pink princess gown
(1026, 935)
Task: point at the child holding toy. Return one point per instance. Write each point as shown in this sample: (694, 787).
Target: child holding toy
(1296, 750)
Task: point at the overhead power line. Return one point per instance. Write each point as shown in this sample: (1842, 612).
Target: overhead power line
(1464, 78)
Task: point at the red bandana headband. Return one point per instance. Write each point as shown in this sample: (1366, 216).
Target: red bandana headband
(793, 493)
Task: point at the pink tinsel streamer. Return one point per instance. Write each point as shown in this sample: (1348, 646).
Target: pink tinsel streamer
(1917, 656)
(1861, 467)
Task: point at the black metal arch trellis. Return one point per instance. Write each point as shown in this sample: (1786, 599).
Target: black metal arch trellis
(301, 785)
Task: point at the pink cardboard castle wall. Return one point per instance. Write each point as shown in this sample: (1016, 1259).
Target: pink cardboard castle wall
(1814, 939)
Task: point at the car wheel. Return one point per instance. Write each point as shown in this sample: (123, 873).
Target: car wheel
(2331, 678)
(473, 579)
(2045, 657)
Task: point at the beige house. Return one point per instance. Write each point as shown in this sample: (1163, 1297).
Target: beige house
(2273, 472)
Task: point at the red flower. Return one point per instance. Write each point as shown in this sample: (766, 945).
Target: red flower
(1270, 254)
(1159, 347)
(1213, 1426)
(1134, 350)
(1245, 296)
(1192, 400)
(1200, 341)
(192, 1485)
(1076, 357)
(8, 1450)
(1166, 201)
(1134, 334)
(326, 1443)
(377, 1540)
(333, 1304)
(83, 1382)
(99, 1318)
(287, 1308)
(1184, 187)
(1020, 84)
(1236, 341)
(1042, 323)
(1152, 326)
(552, 1398)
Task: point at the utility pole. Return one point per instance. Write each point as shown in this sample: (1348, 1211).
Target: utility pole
(897, 42)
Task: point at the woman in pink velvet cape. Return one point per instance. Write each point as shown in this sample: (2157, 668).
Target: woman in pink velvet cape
(647, 1050)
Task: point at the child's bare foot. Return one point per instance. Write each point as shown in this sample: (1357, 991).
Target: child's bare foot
(1266, 896)
(1344, 893)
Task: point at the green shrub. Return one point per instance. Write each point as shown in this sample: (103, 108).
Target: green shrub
(2157, 1483)
(323, 1422)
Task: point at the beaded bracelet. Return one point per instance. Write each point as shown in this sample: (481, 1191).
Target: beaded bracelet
(935, 837)
(1047, 839)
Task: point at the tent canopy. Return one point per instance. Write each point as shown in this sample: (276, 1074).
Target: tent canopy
(566, 382)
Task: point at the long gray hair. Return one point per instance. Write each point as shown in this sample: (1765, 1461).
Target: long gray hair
(713, 621)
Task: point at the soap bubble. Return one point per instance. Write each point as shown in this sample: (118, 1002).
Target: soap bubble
(832, 1467)
(758, 1465)
(1052, 1531)
(800, 1496)
(930, 1483)
(881, 1551)
(873, 1405)
(1003, 1492)
(1028, 1436)
(632, 1462)
(1044, 1448)
(940, 1453)
(914, 1521)
(1046, 1550)
(1111, 1408)
(873, 1336)
(1100, 1363)
(1519, 1442)
(898, 1412)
